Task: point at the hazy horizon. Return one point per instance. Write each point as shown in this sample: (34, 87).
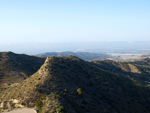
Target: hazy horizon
(30, 27)
(96, 47)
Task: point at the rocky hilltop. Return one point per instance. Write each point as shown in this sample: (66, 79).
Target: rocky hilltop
(71, 85)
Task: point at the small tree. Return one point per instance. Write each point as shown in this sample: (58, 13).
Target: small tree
(79, 91)
(61, 108)
(65, 90)
(39, 105)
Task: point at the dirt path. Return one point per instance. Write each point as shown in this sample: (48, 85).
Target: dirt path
(23, 110)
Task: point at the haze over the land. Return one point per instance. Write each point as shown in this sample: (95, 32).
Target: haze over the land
(137, 47)
(34, 27)
(69, 68)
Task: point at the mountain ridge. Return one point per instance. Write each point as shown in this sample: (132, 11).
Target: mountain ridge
(83, 55)
(61, 79)
(17, 67)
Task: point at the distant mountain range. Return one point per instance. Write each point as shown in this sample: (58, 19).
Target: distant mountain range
(83, 55)
(142, 47)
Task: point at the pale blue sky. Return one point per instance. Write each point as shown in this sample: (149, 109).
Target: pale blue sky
(74, 20)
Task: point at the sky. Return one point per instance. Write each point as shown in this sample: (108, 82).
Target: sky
(26, 21)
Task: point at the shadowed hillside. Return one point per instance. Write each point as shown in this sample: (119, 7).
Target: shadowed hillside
(71, 85)
(137, 71)
(14, 68)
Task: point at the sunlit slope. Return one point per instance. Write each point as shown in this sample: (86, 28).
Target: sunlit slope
(101, 92)
(137, 71)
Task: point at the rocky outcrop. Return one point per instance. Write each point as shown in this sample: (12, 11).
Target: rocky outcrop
(49, 104)
(8, 105)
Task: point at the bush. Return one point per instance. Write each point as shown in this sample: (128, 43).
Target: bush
(39, 90)
(61, 108)
(64, 94)
(39, 105)
(39, 78)
(43, 97)
(65, 90)
(79, 91)
(84, 102)
(34, 68)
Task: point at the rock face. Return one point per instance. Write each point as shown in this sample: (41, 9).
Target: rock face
(9, 104)
(6, 104)
(49, 103)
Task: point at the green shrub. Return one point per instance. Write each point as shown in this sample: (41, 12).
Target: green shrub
(65, 90)
(61, 108)
(78, 111)
(39, 78)
(79, 91)
(39, 105)
(34, 68)
(73, 97)
(84, 102)
(43, 97)
(64, 94)
(39, 90)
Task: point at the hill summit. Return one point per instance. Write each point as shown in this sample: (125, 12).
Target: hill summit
(69, 84)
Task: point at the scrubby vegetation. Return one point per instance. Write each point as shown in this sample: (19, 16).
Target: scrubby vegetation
(69, 84)
(14, 68)
(39, 105)
(137, 71)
